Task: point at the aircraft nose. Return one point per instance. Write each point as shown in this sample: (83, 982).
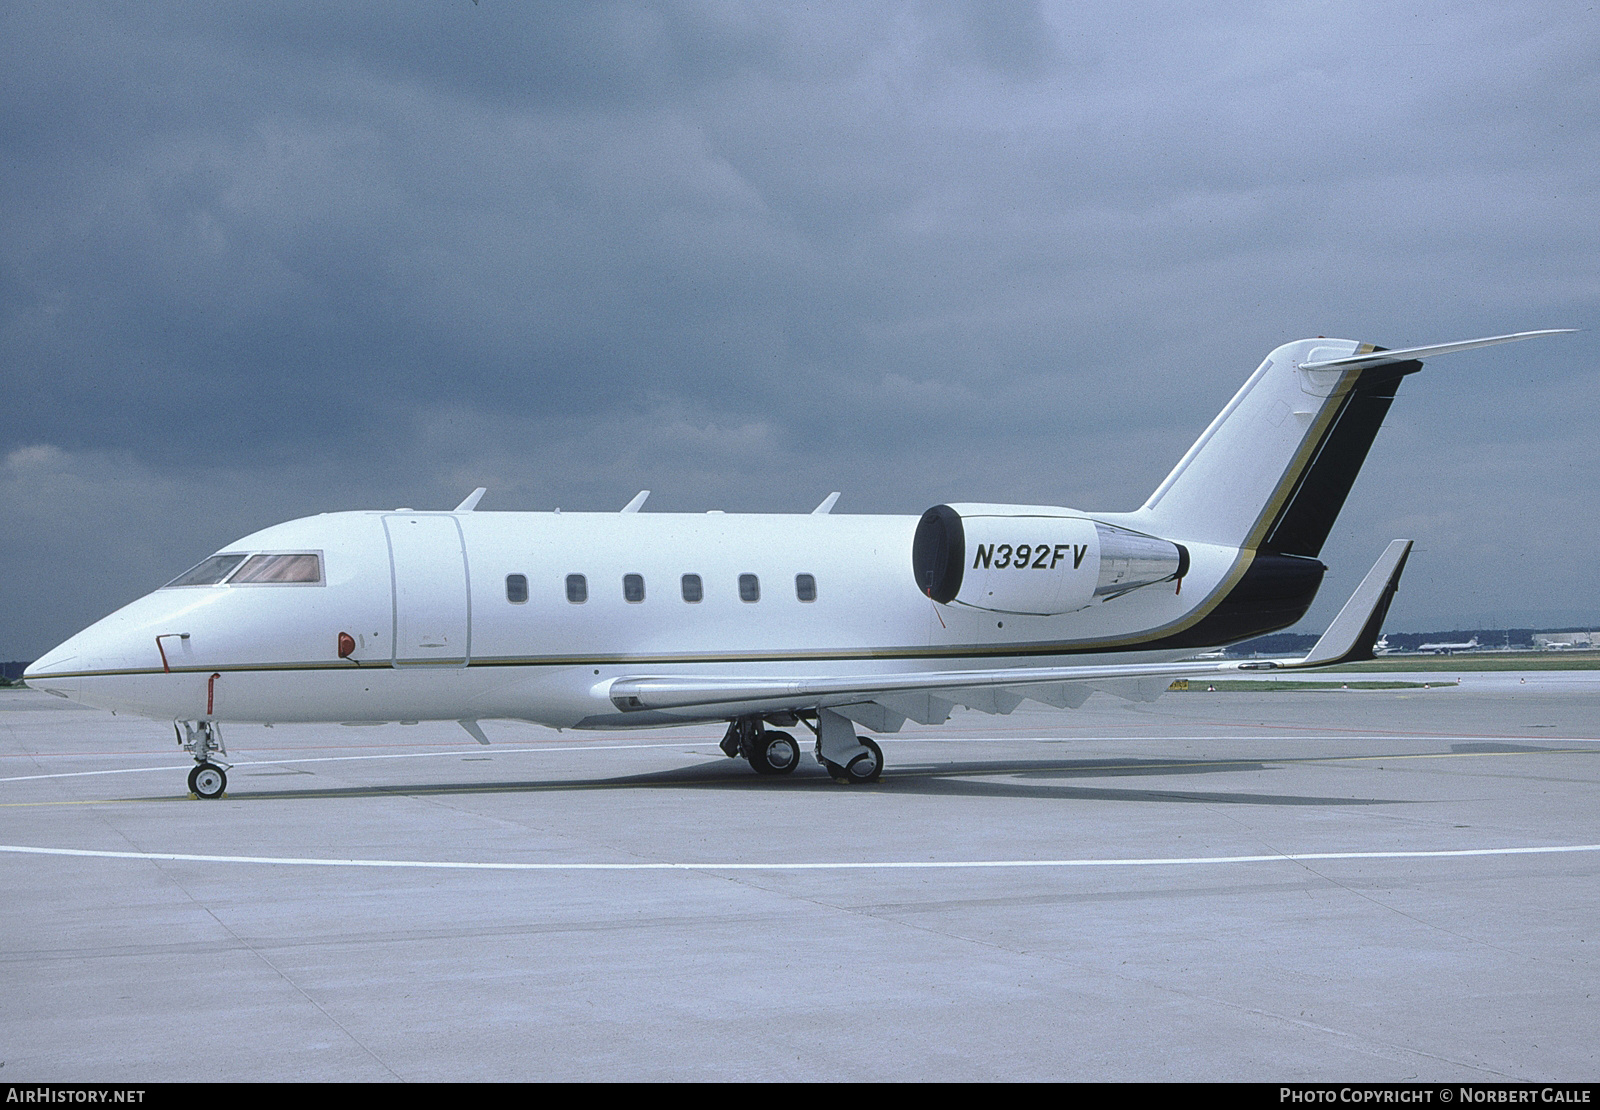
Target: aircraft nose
(51, 662)
(104, 645)
(50, 671)
(125, 641)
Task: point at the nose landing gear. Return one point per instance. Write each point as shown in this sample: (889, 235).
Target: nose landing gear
(200, 739)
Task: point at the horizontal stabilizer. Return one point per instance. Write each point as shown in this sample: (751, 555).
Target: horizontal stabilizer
(1381, 358)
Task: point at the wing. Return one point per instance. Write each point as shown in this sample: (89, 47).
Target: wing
(883, 701)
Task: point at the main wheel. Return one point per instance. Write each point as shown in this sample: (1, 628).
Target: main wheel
(207, 780)
(867, 767)
(782, 753)
(775, 753)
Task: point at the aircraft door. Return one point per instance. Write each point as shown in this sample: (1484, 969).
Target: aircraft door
(428, 569)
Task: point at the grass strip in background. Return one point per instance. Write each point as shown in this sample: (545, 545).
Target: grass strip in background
(1237, 685)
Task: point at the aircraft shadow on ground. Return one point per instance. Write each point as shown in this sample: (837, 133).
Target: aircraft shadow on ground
(1018, 778)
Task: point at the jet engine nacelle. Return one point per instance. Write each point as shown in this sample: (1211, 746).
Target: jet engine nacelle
(1034, 559)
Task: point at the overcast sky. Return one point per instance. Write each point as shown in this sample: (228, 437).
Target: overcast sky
(262, 261)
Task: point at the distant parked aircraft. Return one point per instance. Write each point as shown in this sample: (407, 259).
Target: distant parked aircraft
(1446, 649)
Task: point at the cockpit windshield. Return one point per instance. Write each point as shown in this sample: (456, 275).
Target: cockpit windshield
(209, 572)
(295, 567)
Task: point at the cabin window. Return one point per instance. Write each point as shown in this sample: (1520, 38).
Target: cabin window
(516, 588)
(304, 568)
(208, 572)
(692, 588)
(633, 587)
(805, 587)
(749, 588)
(577, 589)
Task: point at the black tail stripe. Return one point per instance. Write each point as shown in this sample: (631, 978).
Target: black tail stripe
(1307, 516)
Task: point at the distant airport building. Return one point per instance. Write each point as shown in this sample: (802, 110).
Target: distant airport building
(1557, 641)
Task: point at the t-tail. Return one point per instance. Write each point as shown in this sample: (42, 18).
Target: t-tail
(1274, 468)
(1271, 473)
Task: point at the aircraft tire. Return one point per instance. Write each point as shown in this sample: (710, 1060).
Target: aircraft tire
(865, 768)
(758, 761)
(208, 781)
(776, 753)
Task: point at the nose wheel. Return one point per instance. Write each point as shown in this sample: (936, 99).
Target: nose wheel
(200, 739)
(207, 780)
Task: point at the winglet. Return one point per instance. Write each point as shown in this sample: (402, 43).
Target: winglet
(827, 505)
(637, 503)
(475, 730)
(1356, 628)
(471, 501)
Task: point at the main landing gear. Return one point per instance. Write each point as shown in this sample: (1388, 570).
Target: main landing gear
(848, 758)
(769, 753)
(866, 767)
(200, 739)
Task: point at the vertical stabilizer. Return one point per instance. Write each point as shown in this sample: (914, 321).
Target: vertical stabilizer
(1274, 468)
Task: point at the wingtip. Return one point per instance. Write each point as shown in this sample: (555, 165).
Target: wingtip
(1355, 631)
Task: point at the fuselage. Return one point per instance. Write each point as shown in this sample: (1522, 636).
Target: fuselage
(469, 615)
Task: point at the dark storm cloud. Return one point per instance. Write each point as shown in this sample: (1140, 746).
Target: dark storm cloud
(262, 261)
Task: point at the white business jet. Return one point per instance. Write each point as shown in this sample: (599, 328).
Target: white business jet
(630, 619)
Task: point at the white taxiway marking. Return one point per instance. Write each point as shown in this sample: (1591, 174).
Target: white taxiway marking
(845, 865)
(712, 746)
(354, 758)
